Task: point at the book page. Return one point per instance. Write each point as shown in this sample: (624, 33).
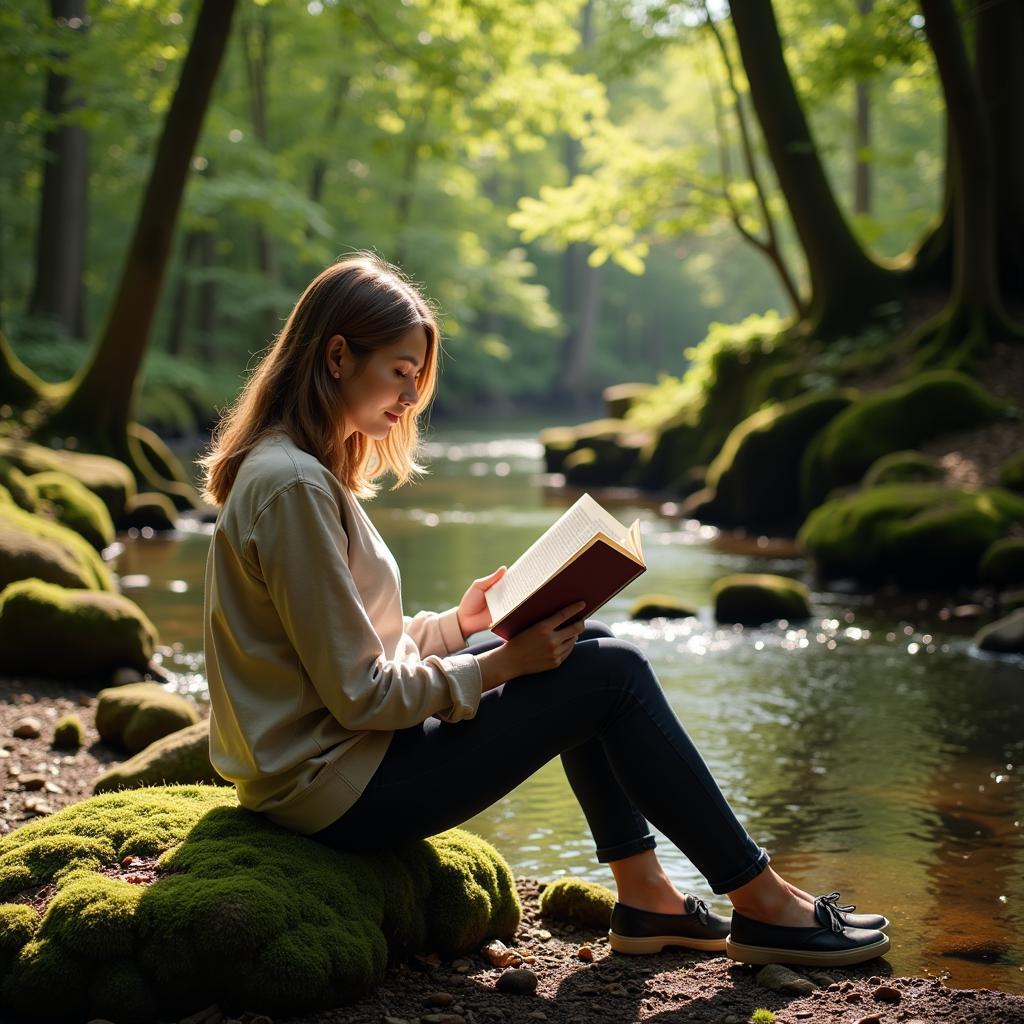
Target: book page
(550, 552)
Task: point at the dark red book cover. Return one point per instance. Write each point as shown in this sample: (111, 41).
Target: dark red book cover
(596, 576)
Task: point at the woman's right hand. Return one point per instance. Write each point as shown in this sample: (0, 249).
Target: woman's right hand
(542, 647)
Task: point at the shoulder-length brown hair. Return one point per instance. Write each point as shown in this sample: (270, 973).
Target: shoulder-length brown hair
(371, 304)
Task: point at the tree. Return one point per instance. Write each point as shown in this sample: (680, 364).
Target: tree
(96, 406)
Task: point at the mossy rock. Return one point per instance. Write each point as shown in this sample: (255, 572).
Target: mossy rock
(111, 481)
(53, 632)
(149, 509)
(1003, 562)
(226, 907)
(68, 733)
(755, 478)
(578, 902)
(660, 606)
(755, 598)
(920, 534)
(1011, 600)
(19, 486)
(902, 468)
(1004, 636)
(1011, 475)
(618, 398)
(5, 497)
(133, 716)
(31, 546)
(76, 507)
(179, 758)
(559, 442)
(896, 419)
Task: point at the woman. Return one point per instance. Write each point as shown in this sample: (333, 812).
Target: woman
(343, 720)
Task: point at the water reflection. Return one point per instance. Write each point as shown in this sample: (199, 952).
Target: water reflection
(870, 749)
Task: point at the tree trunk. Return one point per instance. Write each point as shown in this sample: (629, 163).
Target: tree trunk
(975, 314)
(99, 401)
(847, 287)
(862, 136)
(20, 387)
(207, 320)
(1000, 70)
(932, 259)
(60, 247)
(178, 325)
(319, 172)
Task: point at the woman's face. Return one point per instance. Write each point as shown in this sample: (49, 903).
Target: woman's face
(377, 393)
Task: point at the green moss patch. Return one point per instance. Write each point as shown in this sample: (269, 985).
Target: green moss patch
(660, 606)
(902, 468)
(50, 631)
(167, 899)
(69, 733)
(754, 598)
(149, 509)
(20, 487)
(896, 419)
(133, 716)
(1003, 562)
(76, 507)
(914, 533)
(578, 901)
(1011, 475)
(33, 546)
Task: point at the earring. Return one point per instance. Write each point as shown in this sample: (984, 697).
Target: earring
(336, 374)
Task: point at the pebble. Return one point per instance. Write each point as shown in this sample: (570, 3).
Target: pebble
(33, 780)
(53, 787)
(616, 989)
(585, 953)
(84, 700)
(38, 806)
(781, 979)
(537, 1015)
(803, 1014)
(394, 1020)
(517, 979)
(28, 728)
(442, 1018)
(438, 999)
(854, 997)
(871, 1018)
(497, 954)
(886, 994)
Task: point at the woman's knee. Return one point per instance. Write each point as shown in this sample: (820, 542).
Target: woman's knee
(620, 660)
(595, 629)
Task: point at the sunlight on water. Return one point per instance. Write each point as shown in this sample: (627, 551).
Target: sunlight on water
(871, 749)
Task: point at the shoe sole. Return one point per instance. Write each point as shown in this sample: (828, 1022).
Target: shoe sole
(772, 955)
(656, 943)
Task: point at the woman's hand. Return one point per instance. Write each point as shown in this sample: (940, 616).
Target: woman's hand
(473, 613)
(542, 647)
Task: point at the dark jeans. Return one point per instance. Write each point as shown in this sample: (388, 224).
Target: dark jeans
(626, 755)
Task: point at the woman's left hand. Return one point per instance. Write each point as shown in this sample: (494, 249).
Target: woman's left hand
(473, 613)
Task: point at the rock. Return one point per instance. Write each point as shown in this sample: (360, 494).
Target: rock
(660, 606)
(36, 805)
(903, 467)
(537, 1015)
(78, 634)
(518, 980)
(781, 979)
(1002, 564)
(124, 675)
(1011, 600)
(438, 999)
(1004, 636)
(917, 534)
(394, 1020)
(618, 398)
(149, 510)
(68, 733)
(27, 728)
(755, 598)
(18, 487)
(442, 1018)
(497, 954)
(1011, 476)
(181, 757)
(577, 901)
(871, 1018)
(854, 997)
(586, 954)
(33, 781)
(886, 994)
(133, 716)
(76, 507)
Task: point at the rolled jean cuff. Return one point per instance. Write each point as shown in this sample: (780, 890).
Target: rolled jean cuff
(748, 874)
(627, 849)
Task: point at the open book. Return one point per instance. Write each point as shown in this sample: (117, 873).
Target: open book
(587, 555)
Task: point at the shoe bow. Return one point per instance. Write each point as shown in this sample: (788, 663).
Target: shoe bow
(830, 913)
(700, 908)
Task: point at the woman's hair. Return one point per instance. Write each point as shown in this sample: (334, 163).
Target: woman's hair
(371, 304)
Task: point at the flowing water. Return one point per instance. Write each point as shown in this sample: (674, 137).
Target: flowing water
(871, 749)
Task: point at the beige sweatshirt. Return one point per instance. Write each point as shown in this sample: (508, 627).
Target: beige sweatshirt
(311, 663)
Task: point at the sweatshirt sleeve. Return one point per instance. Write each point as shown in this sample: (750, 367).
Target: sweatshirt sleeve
(301, 548)
(436, 632)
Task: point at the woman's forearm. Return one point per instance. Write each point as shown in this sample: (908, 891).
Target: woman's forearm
(495, 668)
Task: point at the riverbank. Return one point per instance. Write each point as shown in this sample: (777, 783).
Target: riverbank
(578, 979)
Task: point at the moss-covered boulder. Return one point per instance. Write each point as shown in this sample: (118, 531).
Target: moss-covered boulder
(53, 632)
(168, 899)
(20, 487)
(914, 533)
(755, 479)
(1003, 562)
(902, 468)
(68, 733)
(660, 606)
(133, 716)
(619, 398)
(179, 758)
(1004, 636)
(578, 902)
(1011, 475)
(76, 507)
(896, 419)
(31, 546)
(1011, 600)
(149, 509)
(112, 481)
(754, 598)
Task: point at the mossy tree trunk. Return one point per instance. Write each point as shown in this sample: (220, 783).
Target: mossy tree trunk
(976, 314)
(20, 388)
(99, 401)
(847, 286)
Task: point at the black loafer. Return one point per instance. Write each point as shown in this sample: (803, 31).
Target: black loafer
(643, 931)
(874, 922)
(832, 943)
